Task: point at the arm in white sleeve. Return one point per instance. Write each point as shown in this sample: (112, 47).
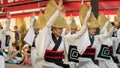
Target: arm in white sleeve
(87, 16)
(52, 19)
(79, 33)
(118, 33)
(84, 28)
(105, 27)
(32, 21)
(7, 25)
(107, 35)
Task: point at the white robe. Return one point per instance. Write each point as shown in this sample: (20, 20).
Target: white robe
(3, 33)
(29, 38)
(2, 62)
(104, 63)
(116, 41)
(71, 39)
(44, 41)
(83, 43)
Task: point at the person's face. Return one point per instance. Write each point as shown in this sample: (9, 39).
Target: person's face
(67, 30)
(73, 30)
(92, 31)
(15, 28)
(57, 31)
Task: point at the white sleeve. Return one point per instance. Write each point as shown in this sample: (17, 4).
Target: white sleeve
(104, 28)
(7, 25)
(32, 21)
(52, 19)
(87, 16)
(118, 33)
(107, 35)
(78, 34)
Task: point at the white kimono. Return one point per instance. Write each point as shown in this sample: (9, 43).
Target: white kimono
(71, 39)
(116, 41)
(29, 39)
(104, 63)
(2, 39)
(44, 42)
(83, 43)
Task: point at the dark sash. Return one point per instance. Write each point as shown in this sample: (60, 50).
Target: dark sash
(57, 42)
(91, 40)
(53, 55)
(36, 34)
(7, 41)
(118, 49)
(0, 43)
(104, 52)
(0, 47)
(89, 53)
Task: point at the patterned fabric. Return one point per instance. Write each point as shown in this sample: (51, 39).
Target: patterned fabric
(104, 52)
(73, 54)
(118, 49)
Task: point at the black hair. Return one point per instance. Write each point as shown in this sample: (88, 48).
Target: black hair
(15, 27)
(113, 23)
(97, 31)
(17, 47)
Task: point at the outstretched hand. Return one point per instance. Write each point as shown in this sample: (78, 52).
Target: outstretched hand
(8, 15)
(89, 5)
(60, 6)
(33, 14)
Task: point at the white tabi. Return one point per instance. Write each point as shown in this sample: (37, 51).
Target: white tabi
(44, 42)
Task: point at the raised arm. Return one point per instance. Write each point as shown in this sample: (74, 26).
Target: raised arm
(84, 27)
(8, 22)
(88, 13)
(55, 15)
(108, 34)
(32, 21)
(104, 28)
(52, 19)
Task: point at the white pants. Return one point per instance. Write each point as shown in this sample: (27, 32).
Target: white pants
(33, 57)
(88, 64)
(107, 64)
(2, 62)
(72, 65)
(44, 64)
